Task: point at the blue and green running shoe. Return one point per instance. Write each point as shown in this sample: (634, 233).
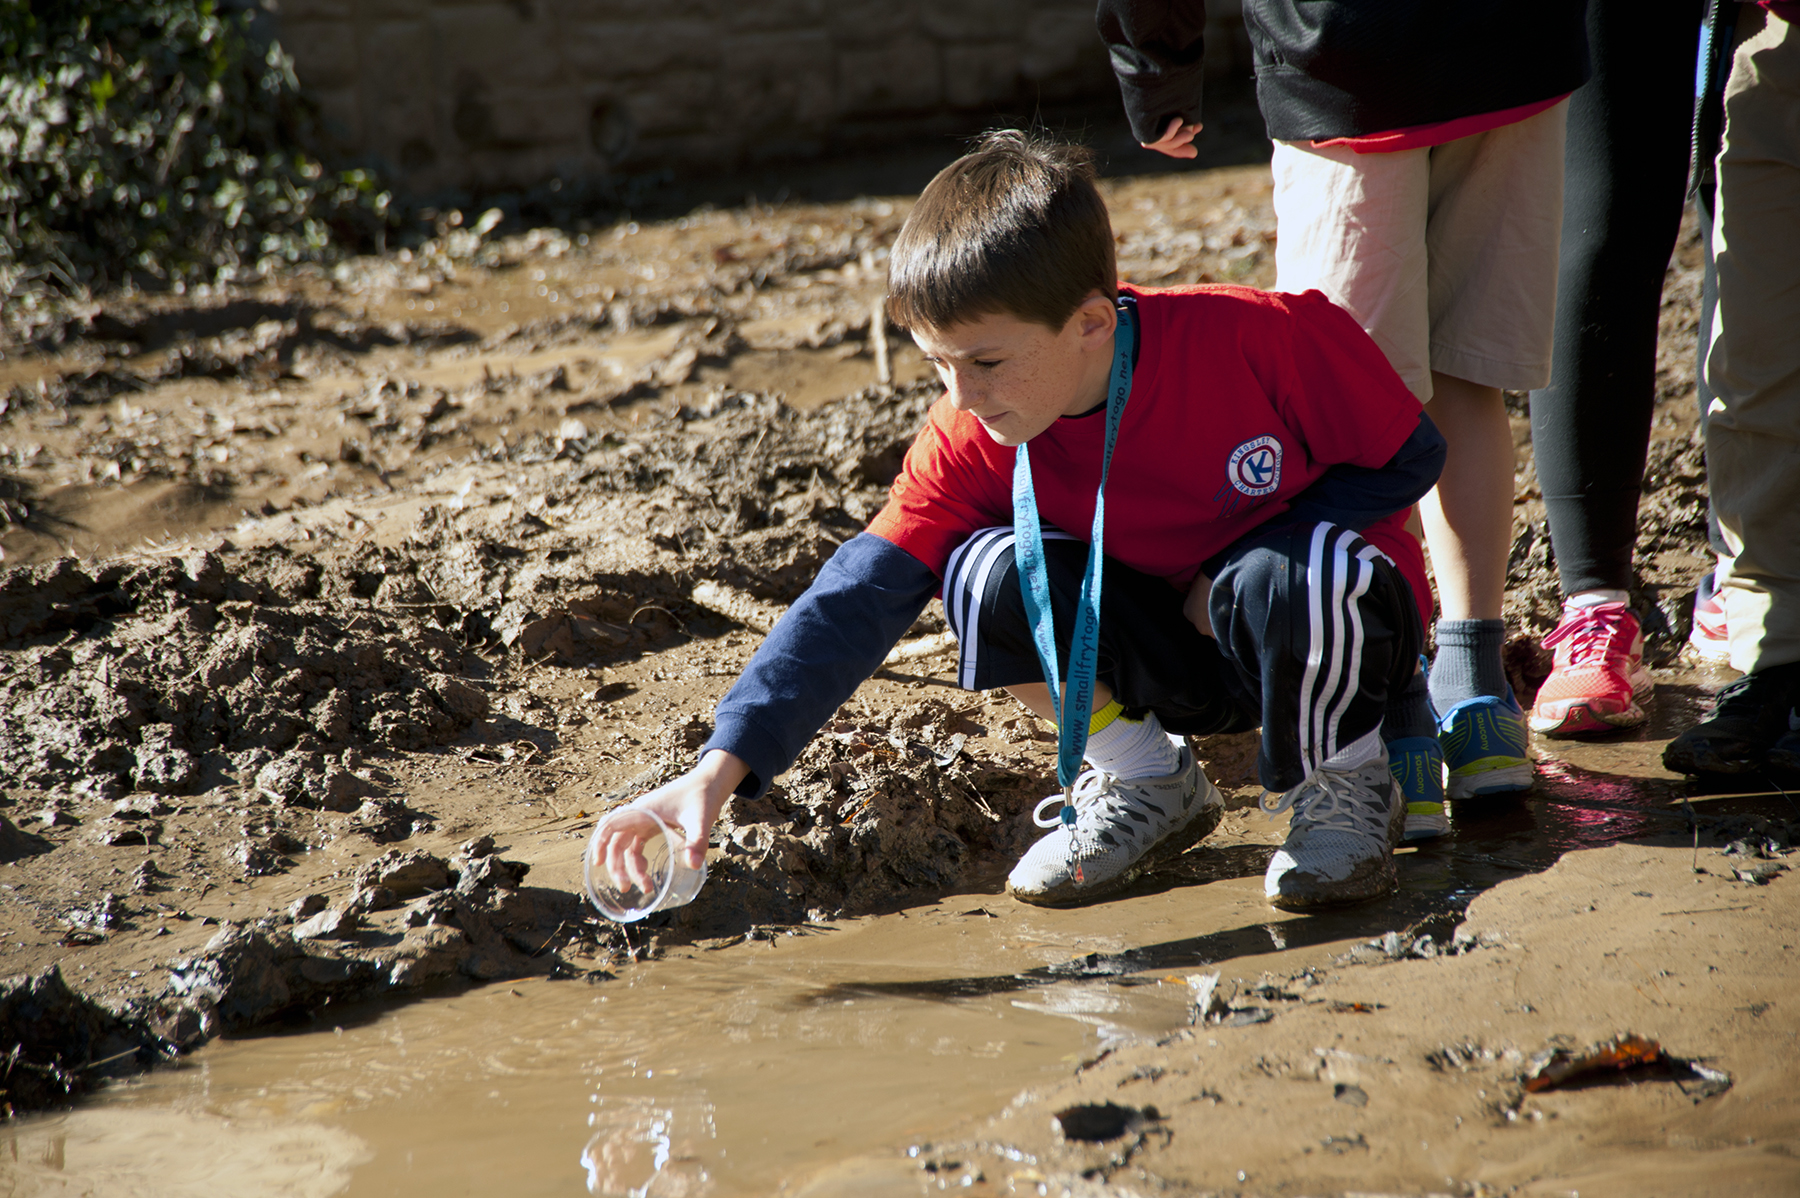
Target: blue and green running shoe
(1417, 763)
(1484, 743)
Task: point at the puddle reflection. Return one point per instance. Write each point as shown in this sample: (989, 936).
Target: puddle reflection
(642, 1150)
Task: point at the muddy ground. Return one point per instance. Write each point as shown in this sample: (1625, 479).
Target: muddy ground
(332, 610)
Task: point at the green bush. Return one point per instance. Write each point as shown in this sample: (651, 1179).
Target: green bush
(159, 139)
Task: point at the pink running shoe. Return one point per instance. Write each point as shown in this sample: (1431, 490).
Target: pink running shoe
(1709, 638)
(1599, 674)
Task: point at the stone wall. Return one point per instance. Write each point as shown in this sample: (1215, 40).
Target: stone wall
(512, 93)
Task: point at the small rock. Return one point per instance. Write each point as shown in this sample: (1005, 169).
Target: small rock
(388, 820)
(462, 701)
(55, 815)
(103, 788)
(481, 846)
(144, 878)
(1760, 874)
(369, 899)
(340, 790)
(106, 913)
(334, 923)
(407, 874)
(186, 1026)
(139, 806)
(302, 909)
(258, 860)
(170, 771)
(491, 871)
(292, 776)
(432, 910)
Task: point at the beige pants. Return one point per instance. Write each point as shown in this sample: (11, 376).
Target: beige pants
(1753, 363)
(1445, 255)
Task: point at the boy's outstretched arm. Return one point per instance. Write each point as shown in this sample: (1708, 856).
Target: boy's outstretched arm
(1156, 48)
(828, 642)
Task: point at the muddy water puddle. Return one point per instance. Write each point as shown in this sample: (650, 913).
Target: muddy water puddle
(728, 1072)
(801, 1064)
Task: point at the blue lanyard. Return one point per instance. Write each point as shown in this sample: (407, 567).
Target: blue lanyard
(1084, 644)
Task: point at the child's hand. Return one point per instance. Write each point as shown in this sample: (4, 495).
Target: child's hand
(1177, 142)
(1194, 606)
(691, 803)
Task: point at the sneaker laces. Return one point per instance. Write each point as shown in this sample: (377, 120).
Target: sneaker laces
(1590, 633)
(1093, 788)
(1336, 801)
(1094, 792)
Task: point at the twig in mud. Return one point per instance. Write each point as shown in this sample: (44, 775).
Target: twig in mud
(975, 798)
(1683, 800)
(1784, 794)
(679, 623)
(884, 372)
(551, 939)
(117, 1056)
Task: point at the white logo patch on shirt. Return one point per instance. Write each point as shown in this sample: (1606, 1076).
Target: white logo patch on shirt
(1255, 466)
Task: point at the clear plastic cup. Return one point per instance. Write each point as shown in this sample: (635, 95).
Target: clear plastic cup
(650, 874)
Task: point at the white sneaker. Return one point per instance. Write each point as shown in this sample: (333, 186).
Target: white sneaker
(1123, 827)
(1348, 816)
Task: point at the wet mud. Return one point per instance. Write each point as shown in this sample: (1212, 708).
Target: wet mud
(332, 611)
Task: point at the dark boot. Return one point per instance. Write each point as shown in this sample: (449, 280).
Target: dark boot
(1746, 720)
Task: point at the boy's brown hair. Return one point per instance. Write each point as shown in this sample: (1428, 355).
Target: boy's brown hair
(1015, 226)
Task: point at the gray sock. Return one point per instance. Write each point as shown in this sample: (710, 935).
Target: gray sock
(1409, 712)
(1468, 663)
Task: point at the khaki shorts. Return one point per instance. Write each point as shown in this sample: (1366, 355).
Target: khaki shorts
(1446, 255)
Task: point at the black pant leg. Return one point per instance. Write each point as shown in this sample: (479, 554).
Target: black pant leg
(1626, 173)
(1149, 655)
(1322, 628)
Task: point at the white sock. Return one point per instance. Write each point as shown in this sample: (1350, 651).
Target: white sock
(1133, 748)
(1596, 597)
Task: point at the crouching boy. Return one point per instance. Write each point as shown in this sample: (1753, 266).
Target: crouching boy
(1256, 457)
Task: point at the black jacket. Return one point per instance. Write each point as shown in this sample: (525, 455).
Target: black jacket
(1350, 68)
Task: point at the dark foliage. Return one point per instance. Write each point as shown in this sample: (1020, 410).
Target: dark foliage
(159, 140)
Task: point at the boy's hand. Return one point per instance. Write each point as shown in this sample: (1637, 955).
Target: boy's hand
(1194, 607)
(691, 803)
(1177, 141)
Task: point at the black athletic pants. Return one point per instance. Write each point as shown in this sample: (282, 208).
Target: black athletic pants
(1315, 628)
(1625, 177)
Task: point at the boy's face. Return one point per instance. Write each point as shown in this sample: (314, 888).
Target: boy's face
(1018, 377)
